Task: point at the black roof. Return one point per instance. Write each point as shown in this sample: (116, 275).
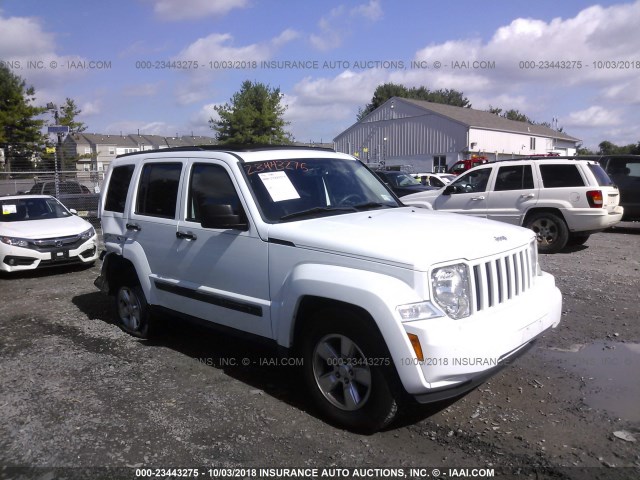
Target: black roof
(229, 148)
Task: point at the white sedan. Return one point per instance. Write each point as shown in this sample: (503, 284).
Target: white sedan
(38, 231)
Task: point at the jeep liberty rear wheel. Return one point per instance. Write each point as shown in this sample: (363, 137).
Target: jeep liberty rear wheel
(133, 310)
(348, 372)
(551, 231)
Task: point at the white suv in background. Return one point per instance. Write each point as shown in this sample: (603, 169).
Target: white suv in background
(306, 248)
(562, 200)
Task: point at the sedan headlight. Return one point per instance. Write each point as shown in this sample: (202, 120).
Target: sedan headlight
(450, 287)
(87, 234)
(15, 242)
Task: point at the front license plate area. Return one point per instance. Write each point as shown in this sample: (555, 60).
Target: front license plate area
(60, 255)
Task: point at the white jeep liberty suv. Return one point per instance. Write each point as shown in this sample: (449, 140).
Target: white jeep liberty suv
(307, 248)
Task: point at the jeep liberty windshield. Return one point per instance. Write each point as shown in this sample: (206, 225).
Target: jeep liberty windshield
(297, 189)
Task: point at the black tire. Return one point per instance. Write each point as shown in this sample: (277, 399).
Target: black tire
(578, 238)
(132, 310)
(348, 372)
(551, 231)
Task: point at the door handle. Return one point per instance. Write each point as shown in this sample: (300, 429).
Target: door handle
(477, 199)
(529, 195)
(186, 235)
(133, 226)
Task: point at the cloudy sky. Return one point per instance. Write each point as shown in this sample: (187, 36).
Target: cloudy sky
(574, 61)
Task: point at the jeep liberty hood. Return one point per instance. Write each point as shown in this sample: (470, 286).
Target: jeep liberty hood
(403, 236)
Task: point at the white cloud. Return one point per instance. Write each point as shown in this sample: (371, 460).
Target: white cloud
(199, 121)
(347, 88)
(623, 135)
(285, 37)
(30, 53)
(593, 117)
(92, 108)
(219, 46)
(340, 21)
(625, 93)
(371, 11)
(23, 37)
(220, 49)
(142, 48)
(172, 10)
(127, 127)
(142, 90)
(560, 52)
(194, 88)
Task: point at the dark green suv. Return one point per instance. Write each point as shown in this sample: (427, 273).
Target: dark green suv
(624, 170)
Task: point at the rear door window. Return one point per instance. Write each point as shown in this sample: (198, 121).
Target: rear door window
(158, 190)
(601, 176)
(514, 177)
(561, 175)
(118, 188)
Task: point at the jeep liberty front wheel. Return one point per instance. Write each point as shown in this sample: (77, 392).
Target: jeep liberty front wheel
(133, 310)
(348, 372)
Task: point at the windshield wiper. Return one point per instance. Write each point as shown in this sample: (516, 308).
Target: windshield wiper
(314, 210)
(372, 205)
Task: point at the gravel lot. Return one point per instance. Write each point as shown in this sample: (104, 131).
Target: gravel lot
(75, 391)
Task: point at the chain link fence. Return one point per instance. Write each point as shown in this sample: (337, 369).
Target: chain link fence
(78, 190)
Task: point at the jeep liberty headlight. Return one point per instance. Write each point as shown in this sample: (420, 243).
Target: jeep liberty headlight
(533, 249)
(417, 311)
(450, 287)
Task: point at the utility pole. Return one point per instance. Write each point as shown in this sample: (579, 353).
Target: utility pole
(59, 130)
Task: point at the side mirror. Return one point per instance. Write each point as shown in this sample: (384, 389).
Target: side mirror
(73, 211)
(221, 216)
(449, 189)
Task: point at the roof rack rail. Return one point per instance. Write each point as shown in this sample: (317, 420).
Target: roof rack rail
(544, 157)
(229, 148)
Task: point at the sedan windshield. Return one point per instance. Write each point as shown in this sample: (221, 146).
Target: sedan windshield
(402, 179)
(296, 189)
(24, 209)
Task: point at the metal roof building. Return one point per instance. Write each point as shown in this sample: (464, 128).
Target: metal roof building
(430, 136)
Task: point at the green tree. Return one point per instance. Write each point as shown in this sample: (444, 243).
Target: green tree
(65, 115)
(253, 116)
(608, 148)
(513, 114)
(584, 151)
(381, 94)
(518, 116)
(20, 129)
(387, 90)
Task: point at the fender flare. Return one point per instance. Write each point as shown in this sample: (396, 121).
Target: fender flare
(376, 293)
